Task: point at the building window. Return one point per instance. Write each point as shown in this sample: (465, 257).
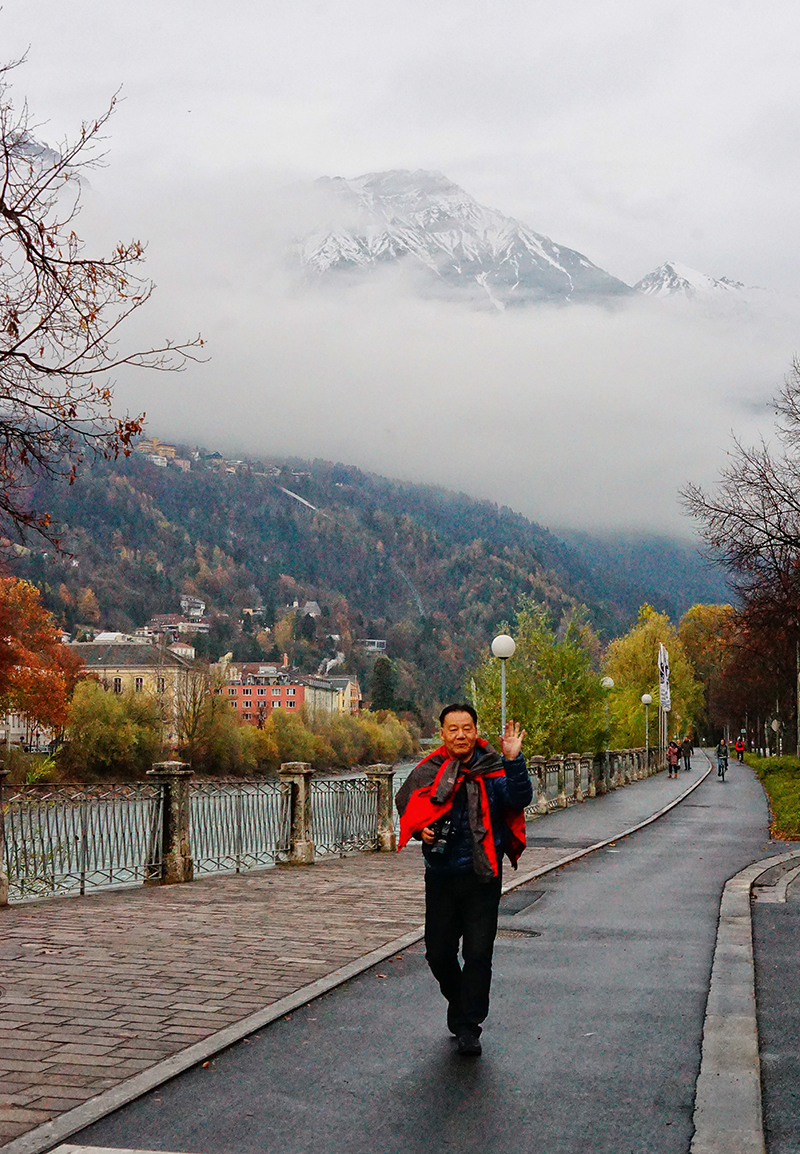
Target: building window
(161, 684)
(247, 692)
(234, 704)
(291, 692)
(291, 704)
(138, 684)
(232, 691)
(276, 705)
(276, 691)
(246, 716)
(118, 685)
(261, 692)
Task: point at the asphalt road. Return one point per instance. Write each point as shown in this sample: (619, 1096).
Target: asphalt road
(593, 1041)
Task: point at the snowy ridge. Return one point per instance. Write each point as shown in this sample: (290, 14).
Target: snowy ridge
(461, 248)
(674, 279)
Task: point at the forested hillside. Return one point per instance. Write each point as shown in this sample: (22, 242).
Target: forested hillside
(433, 572)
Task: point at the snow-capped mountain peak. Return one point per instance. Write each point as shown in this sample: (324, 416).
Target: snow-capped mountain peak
(460, 248)
(673, 279)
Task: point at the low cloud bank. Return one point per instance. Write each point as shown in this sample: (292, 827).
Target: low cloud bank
(587, 416)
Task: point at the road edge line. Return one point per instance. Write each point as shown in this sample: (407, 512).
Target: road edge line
(728, 1113)
(46, 1136)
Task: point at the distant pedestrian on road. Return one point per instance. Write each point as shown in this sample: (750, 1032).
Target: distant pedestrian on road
(673, 758)
(739, 747)
(687, 749)
(466, 803)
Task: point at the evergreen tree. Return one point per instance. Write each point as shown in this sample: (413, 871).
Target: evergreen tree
(382, 686)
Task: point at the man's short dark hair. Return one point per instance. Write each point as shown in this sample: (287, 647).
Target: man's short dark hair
(458, 707)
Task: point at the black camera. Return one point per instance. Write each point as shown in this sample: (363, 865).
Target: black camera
(442, 829)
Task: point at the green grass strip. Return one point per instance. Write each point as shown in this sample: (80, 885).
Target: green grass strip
(780, 777)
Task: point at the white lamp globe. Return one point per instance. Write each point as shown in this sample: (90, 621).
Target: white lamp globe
(647, 699)
(607, 682)
(503, 646)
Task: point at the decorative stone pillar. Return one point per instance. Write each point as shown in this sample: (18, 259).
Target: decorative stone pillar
(3, 878)
(297, 774)
(538, 767)
(617, 780)
(176, 854)
(577, 789)
(383, 776)
(628, 775)
(587, 759)
(561, 798)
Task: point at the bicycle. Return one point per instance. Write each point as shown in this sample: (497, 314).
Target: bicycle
(722, 765)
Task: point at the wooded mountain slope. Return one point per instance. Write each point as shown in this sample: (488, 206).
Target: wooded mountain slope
(433, 572)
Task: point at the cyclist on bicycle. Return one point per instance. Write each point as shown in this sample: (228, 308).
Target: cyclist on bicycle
(722, 758)
(739, 749)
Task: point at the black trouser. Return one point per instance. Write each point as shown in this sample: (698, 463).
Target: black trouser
(461, 906)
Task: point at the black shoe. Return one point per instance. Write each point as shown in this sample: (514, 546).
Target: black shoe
(469, 1043)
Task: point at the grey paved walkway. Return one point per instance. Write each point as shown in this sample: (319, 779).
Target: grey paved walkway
(593, 1042)
(95, 989)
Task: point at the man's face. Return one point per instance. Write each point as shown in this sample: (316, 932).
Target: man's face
(459, 734)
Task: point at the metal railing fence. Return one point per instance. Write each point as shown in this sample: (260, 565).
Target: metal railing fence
(344, 815)
(74, 838)
(236, 825)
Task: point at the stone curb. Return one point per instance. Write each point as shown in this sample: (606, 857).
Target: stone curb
(728, 1117)
(50, 1134)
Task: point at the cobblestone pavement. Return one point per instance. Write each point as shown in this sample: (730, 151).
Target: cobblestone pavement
(95, 989)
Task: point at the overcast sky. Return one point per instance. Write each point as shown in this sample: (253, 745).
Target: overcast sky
(636, 132)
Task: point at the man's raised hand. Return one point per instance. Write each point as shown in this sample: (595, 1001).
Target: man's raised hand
(512, 740)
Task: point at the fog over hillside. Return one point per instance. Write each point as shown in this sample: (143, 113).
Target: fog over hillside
(587, 415)
(654, 142)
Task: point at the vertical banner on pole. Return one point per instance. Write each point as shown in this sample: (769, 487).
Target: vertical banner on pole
(664, 699)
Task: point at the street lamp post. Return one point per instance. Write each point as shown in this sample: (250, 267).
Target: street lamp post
(503, 647)
(608, 684)
(647, 701)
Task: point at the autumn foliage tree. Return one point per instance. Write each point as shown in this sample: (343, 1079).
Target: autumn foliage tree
(37, 672)
(60, 316)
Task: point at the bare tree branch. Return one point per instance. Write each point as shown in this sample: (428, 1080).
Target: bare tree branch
(60, 316)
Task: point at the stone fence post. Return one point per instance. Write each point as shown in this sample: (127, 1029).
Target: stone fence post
(176, 854)
(574, 759)
(602, 768)
(297, 774)
(383, 775)
(628, 768)
(587, 759)
(3, 878)
(538, 767)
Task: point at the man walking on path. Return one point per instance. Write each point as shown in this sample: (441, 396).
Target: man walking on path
(687, 749)
(466, 803)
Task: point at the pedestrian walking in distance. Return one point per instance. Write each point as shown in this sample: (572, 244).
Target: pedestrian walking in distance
(687, 749)
(466, 803)
(673, 758)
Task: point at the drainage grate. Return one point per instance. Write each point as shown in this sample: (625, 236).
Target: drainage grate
(518, 934)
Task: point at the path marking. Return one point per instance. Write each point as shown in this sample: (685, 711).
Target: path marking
(728, 1115)
(46, 1136)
